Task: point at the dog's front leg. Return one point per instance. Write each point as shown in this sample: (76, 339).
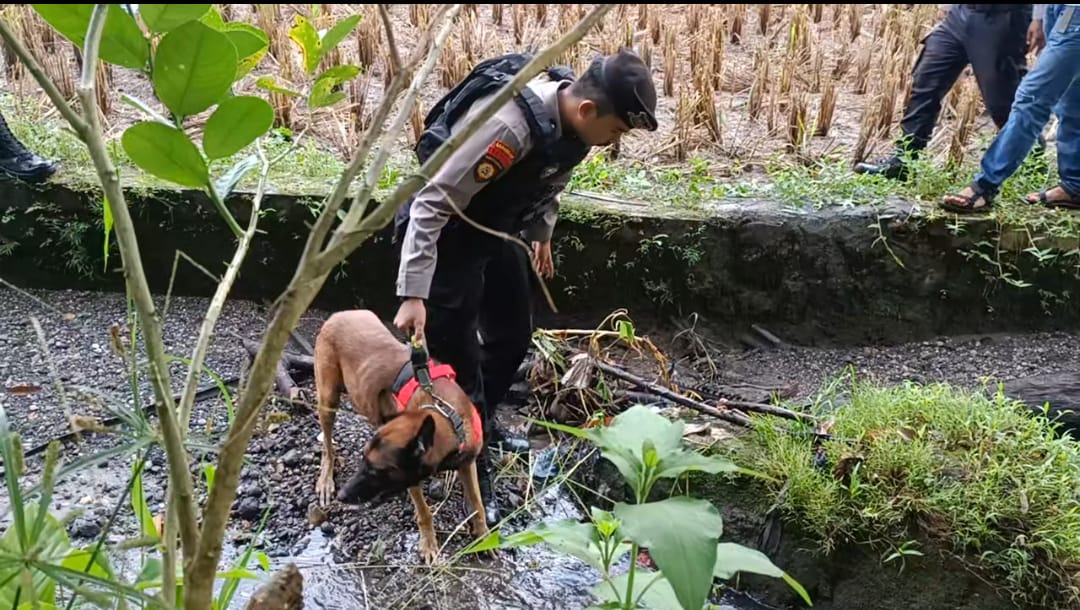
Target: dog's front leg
(429, 543)
(470, 485)
(324, 486)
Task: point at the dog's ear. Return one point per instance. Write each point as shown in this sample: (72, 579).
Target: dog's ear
(425, 437)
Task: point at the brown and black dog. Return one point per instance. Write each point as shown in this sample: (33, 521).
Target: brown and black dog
(417, 435)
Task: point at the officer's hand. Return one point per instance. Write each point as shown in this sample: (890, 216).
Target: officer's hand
(1036, 37)
(542, 259)
(411, 317)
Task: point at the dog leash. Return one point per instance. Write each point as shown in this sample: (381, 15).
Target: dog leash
(419, 359)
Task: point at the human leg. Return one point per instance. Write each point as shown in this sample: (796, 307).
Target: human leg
(1038, 93)
(20, 163)
(939, 65)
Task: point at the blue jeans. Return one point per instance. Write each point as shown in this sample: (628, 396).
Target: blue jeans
(1052, 85)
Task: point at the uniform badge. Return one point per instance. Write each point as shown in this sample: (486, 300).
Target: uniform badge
(498, 156)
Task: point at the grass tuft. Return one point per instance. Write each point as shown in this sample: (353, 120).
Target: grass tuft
(970, 470)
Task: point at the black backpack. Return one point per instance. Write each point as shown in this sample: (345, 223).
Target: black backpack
(485, 79)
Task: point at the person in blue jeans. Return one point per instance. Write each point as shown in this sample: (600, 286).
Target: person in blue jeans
(1052, 85)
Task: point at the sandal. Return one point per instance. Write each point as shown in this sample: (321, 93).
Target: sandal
(1072, 203)
(969, 207)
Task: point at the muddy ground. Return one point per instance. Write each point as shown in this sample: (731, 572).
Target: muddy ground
(284, 455)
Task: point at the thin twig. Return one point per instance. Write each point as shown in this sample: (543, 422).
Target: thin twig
(53, 373)
(30, 296)
(395, 55)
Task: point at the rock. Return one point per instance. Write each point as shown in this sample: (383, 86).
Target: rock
(327, 529)
(316, 515)
(436, 490)
(293, 458)
(86, 526)
(1060, 390)
(249, 509)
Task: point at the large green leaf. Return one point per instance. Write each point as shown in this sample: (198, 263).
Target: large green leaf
(51, 546)
(681, 535)
(166, 153)
(79, 561)
(163, 18)
(684, 461)
(337, 33)
(307, 37)
(322, 92)
(732, 558)
(567, 536)
(194, 68)
(651, 590)
(251, 46)
(237, 122)
(122, 41)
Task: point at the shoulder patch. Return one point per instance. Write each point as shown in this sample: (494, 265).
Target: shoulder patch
(498, 156)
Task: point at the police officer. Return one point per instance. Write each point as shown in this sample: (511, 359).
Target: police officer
(468, 293)
(994, 39)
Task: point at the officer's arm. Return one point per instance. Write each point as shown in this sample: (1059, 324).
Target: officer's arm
(544, 225)
(492, 150)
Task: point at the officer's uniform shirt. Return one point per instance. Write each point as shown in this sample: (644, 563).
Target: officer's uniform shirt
(487, 155)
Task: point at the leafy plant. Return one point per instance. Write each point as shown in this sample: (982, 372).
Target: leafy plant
(682, 534)
(196, 60)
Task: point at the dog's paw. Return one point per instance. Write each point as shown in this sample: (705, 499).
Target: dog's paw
(429, 548)
(324, 488)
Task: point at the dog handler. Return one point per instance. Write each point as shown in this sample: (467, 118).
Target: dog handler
(468, 293)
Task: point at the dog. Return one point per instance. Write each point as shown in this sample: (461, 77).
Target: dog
(418, 433)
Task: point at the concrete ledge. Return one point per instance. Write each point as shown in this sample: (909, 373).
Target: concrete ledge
(815, 276)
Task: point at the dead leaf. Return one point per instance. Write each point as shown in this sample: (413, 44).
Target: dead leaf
(1023, 502)
(69, 317)
(23, 389)
(693, 429)
(159, 524)
(80, 423)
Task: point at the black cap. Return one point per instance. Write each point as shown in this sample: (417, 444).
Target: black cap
(630, 87)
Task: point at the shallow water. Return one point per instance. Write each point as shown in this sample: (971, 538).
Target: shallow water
(528, 578)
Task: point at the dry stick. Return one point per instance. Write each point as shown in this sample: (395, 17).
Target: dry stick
(658, 390)
(682, 400)
(306, 282)
(395, 56)
(88, 130)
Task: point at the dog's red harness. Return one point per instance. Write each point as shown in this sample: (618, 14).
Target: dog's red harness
(439, 371)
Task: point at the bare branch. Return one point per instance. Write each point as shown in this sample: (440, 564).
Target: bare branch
(396, 127)
(137, 286)
(217, 303)
(326, 219)
(395, 55)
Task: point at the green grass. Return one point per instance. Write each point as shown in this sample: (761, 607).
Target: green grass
(972, 470)
(308, 169)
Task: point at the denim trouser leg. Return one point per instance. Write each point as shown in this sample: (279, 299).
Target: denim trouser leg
(1068, 138)
(1039, 93)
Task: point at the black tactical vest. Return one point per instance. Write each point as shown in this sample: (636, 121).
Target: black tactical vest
(514, 200)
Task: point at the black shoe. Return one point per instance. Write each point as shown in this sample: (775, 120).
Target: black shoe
(892, 168)
(20, 163)
(487, 494)
(508, 442)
